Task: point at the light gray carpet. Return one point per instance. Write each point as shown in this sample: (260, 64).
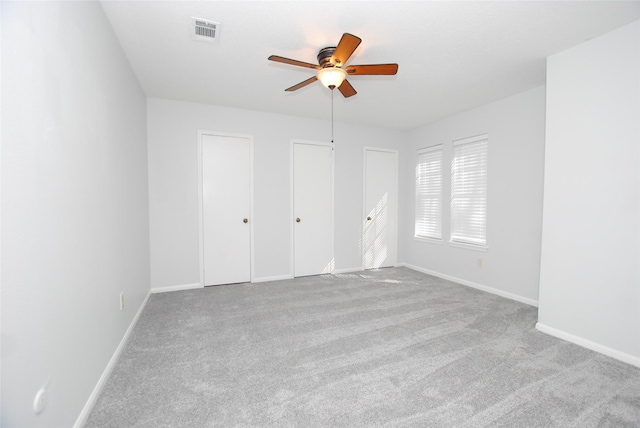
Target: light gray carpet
(389, 347)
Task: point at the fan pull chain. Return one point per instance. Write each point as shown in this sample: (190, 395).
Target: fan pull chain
(332, 119)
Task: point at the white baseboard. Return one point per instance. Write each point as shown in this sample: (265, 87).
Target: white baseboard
(491, 290)
(175, 288)
(272, 278)
(86, 410)
(290, 276)
(348, 270)
(585, 343)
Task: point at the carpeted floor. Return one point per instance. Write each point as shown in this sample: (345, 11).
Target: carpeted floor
(389, 347)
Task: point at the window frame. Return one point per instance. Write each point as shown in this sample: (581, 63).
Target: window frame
(469, 235)
(419, 214)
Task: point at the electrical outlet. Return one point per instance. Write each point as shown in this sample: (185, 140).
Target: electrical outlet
(479, 262)
(122, 300)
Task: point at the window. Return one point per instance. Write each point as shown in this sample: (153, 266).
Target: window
(429, 193)
(469, 191)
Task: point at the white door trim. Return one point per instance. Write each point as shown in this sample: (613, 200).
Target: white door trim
(201, 133)
(364, 197)
(292, 206)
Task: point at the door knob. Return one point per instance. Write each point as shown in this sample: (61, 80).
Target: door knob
(369, 218)
(298, 220)
(245, 220)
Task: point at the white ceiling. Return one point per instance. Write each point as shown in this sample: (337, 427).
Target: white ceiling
(452, 55)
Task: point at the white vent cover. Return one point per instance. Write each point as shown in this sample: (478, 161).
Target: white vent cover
(205, 30)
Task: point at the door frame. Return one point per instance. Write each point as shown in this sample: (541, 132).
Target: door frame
(364, 198)
(201, 133)
(292, 202)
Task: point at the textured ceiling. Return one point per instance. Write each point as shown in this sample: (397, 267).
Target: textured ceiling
(453, 55)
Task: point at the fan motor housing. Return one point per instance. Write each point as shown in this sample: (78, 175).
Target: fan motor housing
(324, 56)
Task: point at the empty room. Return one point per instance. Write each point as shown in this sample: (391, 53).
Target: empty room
(320, 213)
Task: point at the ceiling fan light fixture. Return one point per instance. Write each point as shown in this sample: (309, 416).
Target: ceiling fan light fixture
(332, 77)
(330, 71)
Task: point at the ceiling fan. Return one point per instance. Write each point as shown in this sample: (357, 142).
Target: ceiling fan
(332, 68)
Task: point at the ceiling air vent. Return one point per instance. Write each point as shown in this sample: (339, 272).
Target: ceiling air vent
(205, 30)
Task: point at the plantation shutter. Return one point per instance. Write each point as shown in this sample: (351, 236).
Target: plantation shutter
(469, 191)
(428, 223)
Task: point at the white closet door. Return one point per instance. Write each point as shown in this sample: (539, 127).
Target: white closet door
(381, 202)
(312, 209)
(226, 201)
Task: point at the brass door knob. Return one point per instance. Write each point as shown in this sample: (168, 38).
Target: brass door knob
(298, 220)
(369, 218)
(245, 220)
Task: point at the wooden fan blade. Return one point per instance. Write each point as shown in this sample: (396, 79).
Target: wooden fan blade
(346, 89)
(386, 69)
(348, 43)
(302, 84)
(284, 60)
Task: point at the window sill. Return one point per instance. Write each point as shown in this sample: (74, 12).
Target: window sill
(429, 240)
(482, 248)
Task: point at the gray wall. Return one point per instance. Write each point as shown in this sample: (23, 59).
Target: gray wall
(510, 266)
(590, 269)
(74, 205)
(173, 183)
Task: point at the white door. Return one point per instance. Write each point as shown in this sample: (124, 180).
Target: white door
(381, 202)
(312, 209)
(226, 206)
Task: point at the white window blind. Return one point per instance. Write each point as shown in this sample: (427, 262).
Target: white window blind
(428, 222)
(469, 190)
